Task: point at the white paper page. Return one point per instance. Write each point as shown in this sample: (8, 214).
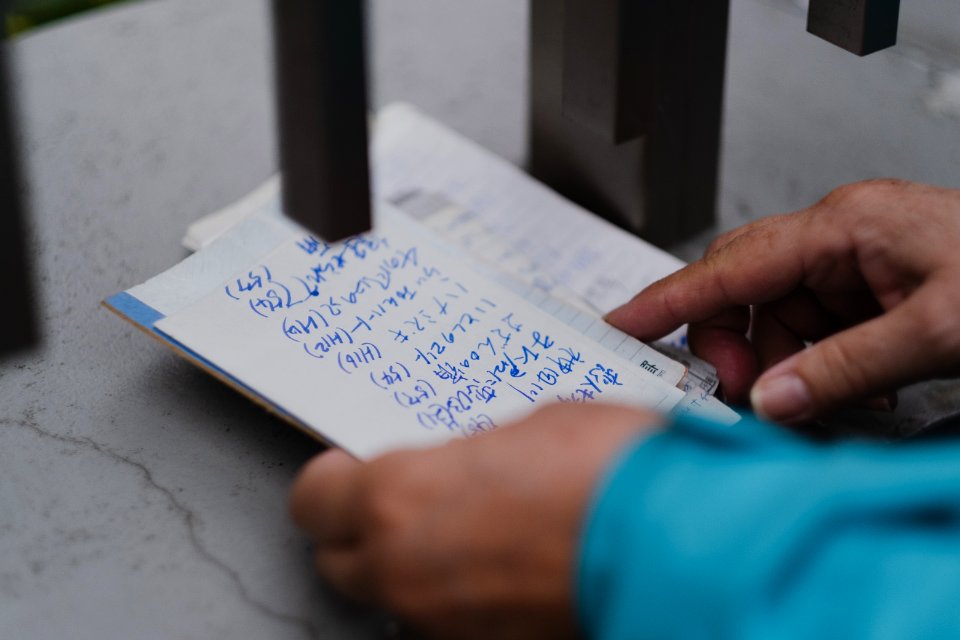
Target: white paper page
(264, 200)
(698, 403)
(197, 275)
(385, 342)
(604, 265)
(575, 252)
(464, 230)
(244, 242)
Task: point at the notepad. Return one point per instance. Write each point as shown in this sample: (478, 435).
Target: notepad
(475, 299)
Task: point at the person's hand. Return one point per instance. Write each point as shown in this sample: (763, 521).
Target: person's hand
(870, 276)
(474, 539)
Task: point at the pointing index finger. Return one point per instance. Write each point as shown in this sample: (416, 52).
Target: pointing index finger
(760, 265)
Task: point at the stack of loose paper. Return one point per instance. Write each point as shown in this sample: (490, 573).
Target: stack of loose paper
(477, 297)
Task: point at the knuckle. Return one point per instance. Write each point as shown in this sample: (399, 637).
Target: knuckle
(720, 241)
(766, 224)
(672, 303)
(855, 195)
(675, 301)
(384, 494)
(766, 235)
(842, 196)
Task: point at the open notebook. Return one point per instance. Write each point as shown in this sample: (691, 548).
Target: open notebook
(477, 297)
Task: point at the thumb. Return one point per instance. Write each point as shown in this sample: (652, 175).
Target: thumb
(903, 345)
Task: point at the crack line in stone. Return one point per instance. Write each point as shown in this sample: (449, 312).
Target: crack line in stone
(188, 517)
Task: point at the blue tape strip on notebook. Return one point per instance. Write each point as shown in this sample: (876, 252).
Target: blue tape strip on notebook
(146, 316)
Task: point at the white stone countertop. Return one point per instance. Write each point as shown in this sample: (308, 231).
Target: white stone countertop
(140, 498)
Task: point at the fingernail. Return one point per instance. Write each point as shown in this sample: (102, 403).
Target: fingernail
(784, 397)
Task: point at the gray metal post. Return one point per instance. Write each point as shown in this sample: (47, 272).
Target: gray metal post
(17, 319)
(859, 26)
(626, 101)
(322, 114)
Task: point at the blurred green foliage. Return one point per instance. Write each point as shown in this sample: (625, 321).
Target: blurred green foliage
(26, 14)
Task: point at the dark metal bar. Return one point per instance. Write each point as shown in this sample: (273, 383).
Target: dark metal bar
(662, 185)
(17, 319)
(681, 172)
(608, 69)
(859, 26)
(322, 114)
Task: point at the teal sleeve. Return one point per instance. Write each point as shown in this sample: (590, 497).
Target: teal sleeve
(706, 531)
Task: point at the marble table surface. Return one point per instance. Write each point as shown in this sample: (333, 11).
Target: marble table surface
(140, 498)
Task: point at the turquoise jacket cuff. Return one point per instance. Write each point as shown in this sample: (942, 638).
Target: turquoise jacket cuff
(746, 531)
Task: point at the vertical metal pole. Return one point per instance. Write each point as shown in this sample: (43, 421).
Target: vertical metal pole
(626, 103)
(17, 320)
(322, 114)
(609, 70)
